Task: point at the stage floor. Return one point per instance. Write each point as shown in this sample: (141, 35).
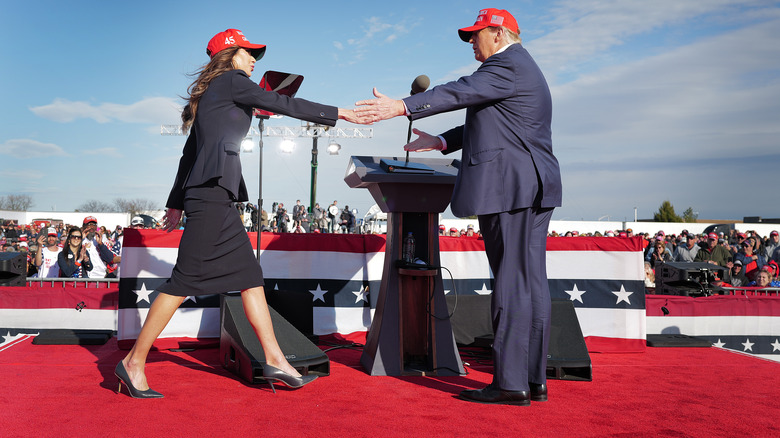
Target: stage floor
(51, 390)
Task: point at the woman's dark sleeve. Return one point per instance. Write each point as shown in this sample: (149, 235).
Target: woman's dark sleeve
(176, 197)
(67, 266)
(249, 93)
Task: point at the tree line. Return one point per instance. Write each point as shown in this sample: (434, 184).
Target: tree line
(120, 205)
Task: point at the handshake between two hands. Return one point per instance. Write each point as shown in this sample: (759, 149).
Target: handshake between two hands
(381, 108)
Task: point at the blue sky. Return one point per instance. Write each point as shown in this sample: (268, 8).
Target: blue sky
(651, 100)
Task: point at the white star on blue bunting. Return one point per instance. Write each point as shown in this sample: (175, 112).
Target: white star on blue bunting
(318, 294)
(143, 294)
(575, 294)
(361, 294)
(622, 295)
(484, 290)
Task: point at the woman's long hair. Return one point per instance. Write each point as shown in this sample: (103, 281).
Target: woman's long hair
(66, 247)
(221, 62)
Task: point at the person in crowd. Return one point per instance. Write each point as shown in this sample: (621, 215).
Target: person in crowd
(281, 218)
(215, 254)
(264, 224)
(751, 261)
(649, 276)
(32, 268)
(454, 232)
(650, 249)
(347, 221)
(318, 217)
(758, 242)
(250, 217)
(102, 258)
(772, 244)
(137, 222)
(333, 212)
(737, 275)
(713, 253)
(686, 250)
(442, 230)
(241, 209)
(660, 254)
(719, 282)
(470, 230)
(299, 212)
(9, 247)
(12, 232)
(512, 183)
(764, 279)
(73, 260)
(46, 256)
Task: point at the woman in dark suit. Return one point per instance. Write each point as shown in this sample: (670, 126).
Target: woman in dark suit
(215, 254)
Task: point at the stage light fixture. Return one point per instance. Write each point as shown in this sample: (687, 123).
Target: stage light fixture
(333, 147)
(247, 145)
(287, 146)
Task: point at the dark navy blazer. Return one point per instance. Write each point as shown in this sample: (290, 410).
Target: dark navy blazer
(221, 123)
(507, 160)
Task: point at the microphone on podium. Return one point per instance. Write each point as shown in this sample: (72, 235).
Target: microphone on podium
(420, 84)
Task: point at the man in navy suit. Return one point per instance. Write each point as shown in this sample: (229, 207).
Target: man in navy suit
(511, 180)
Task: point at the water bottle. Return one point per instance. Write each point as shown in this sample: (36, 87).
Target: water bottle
(408, 248)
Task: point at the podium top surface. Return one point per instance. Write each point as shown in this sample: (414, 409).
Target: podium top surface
(364, 171)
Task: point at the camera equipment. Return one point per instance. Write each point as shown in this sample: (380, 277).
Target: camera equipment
(688, 279)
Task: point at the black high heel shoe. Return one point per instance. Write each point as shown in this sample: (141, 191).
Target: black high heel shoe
(121, 373)
(271, 373)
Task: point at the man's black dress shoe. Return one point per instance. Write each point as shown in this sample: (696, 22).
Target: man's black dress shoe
(538, 392)
(493, 395)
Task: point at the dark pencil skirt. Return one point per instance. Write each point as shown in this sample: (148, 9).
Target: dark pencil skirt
(215, 254)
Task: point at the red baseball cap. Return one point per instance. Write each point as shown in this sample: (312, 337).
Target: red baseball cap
(712, 236)
(89, 219)
(230, 38)
(487, 18)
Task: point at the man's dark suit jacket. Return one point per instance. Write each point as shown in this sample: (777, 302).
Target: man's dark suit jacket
(222, 121)
(507, 160)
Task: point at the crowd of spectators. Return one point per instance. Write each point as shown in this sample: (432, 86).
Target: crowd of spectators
(751, 260)
(65, 250)
(299, 220)
(92, 251)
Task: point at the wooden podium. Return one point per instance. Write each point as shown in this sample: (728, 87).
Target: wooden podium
(410, 333)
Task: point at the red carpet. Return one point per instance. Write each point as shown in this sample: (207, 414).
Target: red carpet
(68, 391)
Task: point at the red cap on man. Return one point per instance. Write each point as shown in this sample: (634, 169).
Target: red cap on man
(230, 38)
(490, 18)
(712, 236)
(89, 219)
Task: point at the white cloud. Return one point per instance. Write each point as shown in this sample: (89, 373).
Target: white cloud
(707, 98)
(22, 175)
(25, 148)
(375, 31)
(150, 110)
(585, 28)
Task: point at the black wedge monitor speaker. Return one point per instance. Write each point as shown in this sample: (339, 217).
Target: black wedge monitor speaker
(13, 269)
(241, 353)
(567, 355)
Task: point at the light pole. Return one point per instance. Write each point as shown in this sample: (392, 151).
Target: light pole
(313, 187)
(306, 129)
